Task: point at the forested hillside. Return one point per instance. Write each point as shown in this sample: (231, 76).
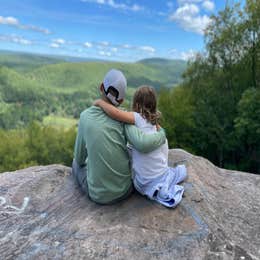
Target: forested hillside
(20, 99)
(54, 92)
(65, 88)
(170, 70)
(215, 112)
(23, 62)
(83, 75)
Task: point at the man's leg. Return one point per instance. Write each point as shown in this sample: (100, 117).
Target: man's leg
(80, 176)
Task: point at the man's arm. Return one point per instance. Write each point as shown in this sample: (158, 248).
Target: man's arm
(80, 151)
(115, 113)
(142, 142)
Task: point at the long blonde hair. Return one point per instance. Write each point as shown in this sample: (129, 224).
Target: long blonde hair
(145, 103)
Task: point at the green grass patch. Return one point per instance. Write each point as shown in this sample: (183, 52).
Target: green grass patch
(59, 121)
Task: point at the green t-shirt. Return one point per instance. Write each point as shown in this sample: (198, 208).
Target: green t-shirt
(101, 143)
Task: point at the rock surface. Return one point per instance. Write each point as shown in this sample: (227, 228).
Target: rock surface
(44, 216)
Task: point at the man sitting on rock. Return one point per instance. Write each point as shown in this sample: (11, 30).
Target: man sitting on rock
(101, 165)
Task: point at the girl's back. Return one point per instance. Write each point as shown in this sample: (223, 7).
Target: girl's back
(149, 165)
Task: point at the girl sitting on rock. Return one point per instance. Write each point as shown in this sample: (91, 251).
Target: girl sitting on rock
(151, 174)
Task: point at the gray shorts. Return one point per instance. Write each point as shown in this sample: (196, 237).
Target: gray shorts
(81, 180)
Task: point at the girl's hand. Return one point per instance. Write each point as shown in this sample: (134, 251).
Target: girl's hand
(97, 102)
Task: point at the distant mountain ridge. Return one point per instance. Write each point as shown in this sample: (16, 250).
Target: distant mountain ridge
(170, 69)
(27, 62)
(161, 61)
(34, 86)
(24, 61)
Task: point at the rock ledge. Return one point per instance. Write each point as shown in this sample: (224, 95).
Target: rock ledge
(43, 215)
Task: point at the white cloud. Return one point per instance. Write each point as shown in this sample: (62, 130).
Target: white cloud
(15, 39)
(188, 17)
(208, 5)
(12, 21)
(59, 41)
(9, 20)
(126, 46)
(190, 54)
(186, 10)
(54, 45)
(22, 41)
(104, 53)
(183, 2)
(34, 28)
(136, 7)
(147, 49)
(172, 51)
(114, 49)
(116, 5)
(183, 55)
(104, 43)
(87, 44)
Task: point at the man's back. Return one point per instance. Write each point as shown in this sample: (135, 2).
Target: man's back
(108, 165)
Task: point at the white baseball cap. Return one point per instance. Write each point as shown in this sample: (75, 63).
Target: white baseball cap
(115, 80)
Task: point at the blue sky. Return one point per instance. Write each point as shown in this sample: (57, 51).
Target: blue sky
(123, 30)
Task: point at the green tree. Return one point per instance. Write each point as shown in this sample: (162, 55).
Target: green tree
(247, 126)
(251, 26)
(177, 117)
(13, 152)
(213, 86)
